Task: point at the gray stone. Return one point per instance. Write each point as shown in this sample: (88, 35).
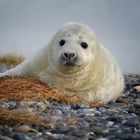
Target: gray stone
(55, 118)
(19, 136)
(66, 108)
(55, 112)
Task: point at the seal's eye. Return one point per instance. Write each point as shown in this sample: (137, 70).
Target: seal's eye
(84, 45)
(62, 42)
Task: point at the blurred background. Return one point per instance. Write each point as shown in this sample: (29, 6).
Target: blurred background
(27, 25)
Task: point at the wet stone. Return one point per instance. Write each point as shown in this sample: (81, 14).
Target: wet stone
(21, 137)
(11, 105)
(55, 112)
(61, 129)
(56, 118)
(65, 108)
(132, 122)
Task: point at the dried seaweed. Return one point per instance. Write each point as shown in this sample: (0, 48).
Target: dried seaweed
(20, 116)
(29, 89)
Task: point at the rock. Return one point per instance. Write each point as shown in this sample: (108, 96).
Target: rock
(87, 112)
(25, 129)
(61, 129)
(57, 118)
(54, 136)
(21, 137)
(67, 114)
(101, 139)
(11, 105)
(39, 106)
(5, 138)
(6, 131)
(132, 122)
(137, 88)
(55, 112)
(137, 103)
(66, 108)
(83, 124)
(97, 113)
(109, 123)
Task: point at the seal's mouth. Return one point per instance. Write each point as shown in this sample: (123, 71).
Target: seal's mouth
(69, 64)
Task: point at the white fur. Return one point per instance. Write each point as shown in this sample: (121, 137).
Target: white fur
(97, 76)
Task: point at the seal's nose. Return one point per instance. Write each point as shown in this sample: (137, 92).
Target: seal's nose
(69, 56)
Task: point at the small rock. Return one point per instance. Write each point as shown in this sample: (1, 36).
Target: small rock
(132, 122)
(90, 110)
(5, 138)
(101, 139)
(21, 137)
(61, 129)
(97, 113)
(67, 114)
(102, 109)
(137, 103)
(39, 106)
(55, 112)
(87, 112)
(109, 123)
(6, 131)
(55, 118)
(11, 105)
(66, 108)
(83, 124)
(55, 136)
(25, 129)
(137, 88)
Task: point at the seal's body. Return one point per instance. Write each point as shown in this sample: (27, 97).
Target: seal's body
(75, 62)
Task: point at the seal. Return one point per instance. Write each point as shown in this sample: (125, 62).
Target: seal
(77, 63)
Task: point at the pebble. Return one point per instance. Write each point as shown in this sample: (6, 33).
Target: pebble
(83, 124)
(101, 139)
(40, 106)
(55, 136)
(132, 122)
(11, 105)
(5, 138)
(25, 129)
(97, 113)
(57, 118)
(137, 88)
(56, 112)
(109, 123)
(66, 108)
(21, 137)
(87, 112)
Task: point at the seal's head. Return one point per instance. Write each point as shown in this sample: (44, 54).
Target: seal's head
(73, 47)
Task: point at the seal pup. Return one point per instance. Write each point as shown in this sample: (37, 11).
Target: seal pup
(75, 62)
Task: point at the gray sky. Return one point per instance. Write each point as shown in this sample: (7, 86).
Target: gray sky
(27, 25)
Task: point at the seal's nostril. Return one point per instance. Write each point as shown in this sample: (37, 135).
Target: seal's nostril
(66, 54)
(72, 54)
